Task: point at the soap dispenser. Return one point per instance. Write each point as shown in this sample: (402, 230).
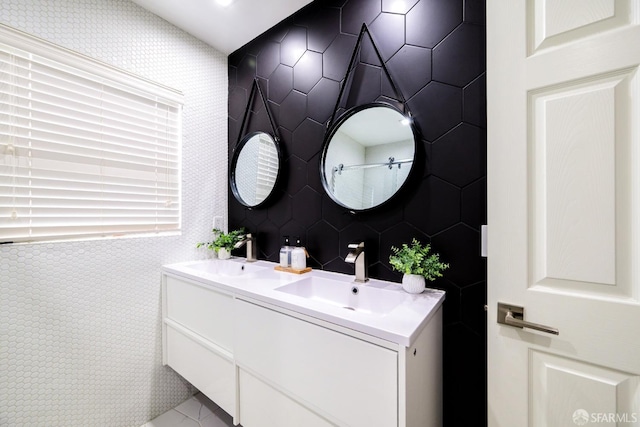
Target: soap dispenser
(298, 256)
(285, 253)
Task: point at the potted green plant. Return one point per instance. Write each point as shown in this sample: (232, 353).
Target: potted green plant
(223, 242)
(417, 264)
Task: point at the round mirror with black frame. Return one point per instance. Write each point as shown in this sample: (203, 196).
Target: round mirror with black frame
(255, 169)
(367, 156)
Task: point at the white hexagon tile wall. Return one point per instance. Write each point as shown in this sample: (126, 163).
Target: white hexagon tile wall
(80, 340)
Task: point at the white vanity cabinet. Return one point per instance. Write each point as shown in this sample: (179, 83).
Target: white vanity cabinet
(272, 366)
(318, 374)
(347, 380)
(197, 339)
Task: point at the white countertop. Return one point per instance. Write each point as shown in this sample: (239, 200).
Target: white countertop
(401, 325)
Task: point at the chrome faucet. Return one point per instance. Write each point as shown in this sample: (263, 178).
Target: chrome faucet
(252, 247)
(357, 256)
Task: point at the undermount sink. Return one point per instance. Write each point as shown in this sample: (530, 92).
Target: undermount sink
(226, 267)
(348, 295)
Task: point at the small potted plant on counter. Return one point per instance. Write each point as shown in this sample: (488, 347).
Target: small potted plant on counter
(223, 242)
(417, 264)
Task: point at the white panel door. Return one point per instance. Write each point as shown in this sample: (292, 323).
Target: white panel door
(563, 188)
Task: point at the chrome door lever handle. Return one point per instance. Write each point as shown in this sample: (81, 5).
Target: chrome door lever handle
(513, 315)
(514, 321)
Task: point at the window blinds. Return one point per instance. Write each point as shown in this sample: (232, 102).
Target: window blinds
(86, 150)
(267, 171)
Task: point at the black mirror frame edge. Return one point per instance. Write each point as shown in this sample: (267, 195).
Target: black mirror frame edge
(234, 162)
(334, 128)
(242, 140)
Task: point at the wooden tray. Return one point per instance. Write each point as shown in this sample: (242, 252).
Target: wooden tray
(292, 270)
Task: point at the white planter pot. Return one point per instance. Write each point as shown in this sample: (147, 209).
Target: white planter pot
(413, 283)
(224, 253)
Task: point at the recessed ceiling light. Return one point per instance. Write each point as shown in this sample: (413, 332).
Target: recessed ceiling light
(224, 3)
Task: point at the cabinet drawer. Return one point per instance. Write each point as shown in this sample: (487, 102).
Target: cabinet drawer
(209, 372)
(204, 311)
(348, 380)
(263, 406)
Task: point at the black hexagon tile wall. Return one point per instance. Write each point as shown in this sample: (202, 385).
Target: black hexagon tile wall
(435, 52)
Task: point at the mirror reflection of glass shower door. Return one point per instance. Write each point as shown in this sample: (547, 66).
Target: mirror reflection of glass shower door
(366, 185)
(348, 186)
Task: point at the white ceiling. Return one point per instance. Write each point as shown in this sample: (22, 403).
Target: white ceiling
(224, 28)
(376, 126)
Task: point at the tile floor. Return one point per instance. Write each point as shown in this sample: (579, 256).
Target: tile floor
(198, 411)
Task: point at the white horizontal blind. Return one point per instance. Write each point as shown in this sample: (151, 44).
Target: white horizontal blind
(267, 170)
(86, 150)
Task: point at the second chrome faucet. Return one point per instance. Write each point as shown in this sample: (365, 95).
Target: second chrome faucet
(357, 257)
